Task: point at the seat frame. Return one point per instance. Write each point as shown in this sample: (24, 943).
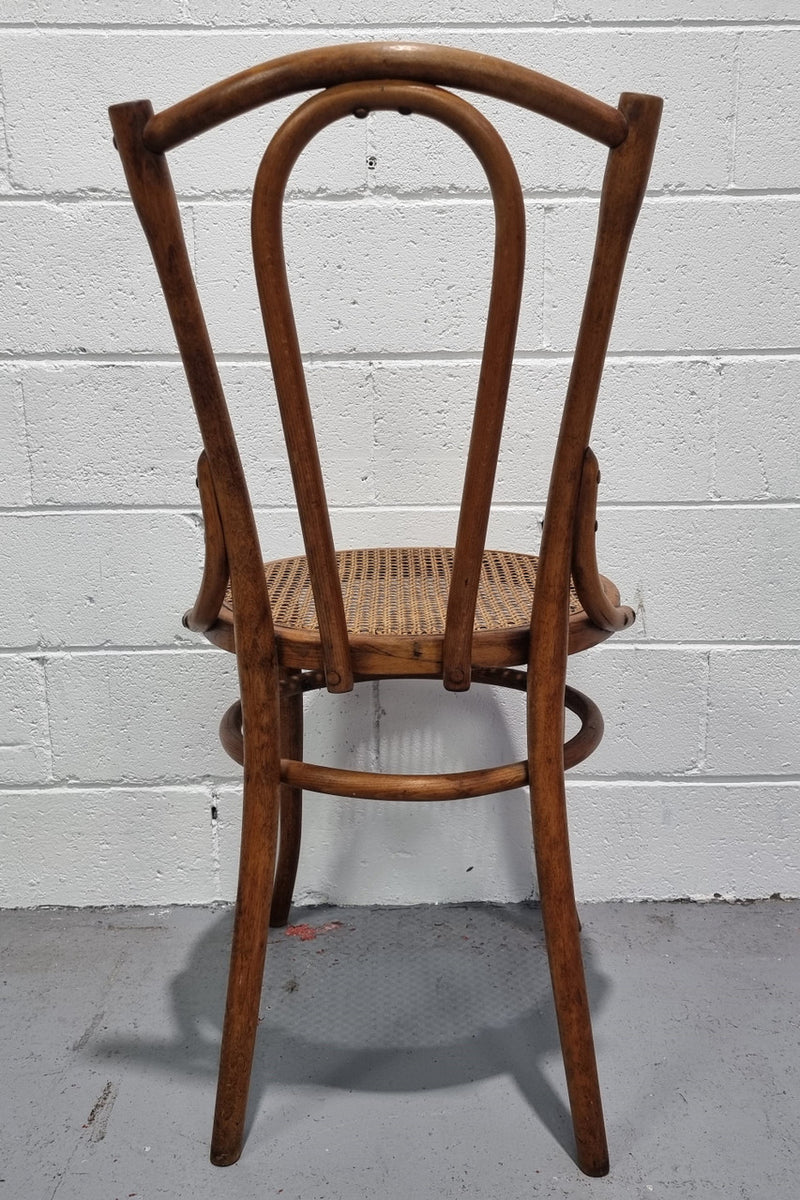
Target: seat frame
(263, 729)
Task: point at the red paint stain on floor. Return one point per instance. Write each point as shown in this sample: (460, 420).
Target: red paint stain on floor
(307, 933)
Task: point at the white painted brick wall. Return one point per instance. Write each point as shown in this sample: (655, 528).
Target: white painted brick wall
(110, 767)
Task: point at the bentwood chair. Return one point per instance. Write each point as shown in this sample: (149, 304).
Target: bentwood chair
(466, 614)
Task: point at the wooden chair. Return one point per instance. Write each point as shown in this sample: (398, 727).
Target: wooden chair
(462, 615)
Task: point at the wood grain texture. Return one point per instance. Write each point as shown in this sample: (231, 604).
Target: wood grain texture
(330, 65)
(278, 660)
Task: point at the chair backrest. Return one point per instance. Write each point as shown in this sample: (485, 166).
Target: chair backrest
(357, 79)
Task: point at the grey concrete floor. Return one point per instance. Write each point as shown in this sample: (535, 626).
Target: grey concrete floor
(402, 1053)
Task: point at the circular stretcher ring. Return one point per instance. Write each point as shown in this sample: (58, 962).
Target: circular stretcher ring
(453, 785)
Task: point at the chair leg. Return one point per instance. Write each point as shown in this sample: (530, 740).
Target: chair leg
(248, 951)
(291, 800)
(562, 935)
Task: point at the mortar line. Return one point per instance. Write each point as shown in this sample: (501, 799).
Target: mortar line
(370, 149)
(212, 794)
(624, 779)
(27, 435)
(705, 714)
(373, 413)
(312, 358)
(377, 759)
(170, 28)
(627, 779)
(4, 122)
(629, 645)
(43, 664)
(735, 114)
(76, 787)
(56, 653)
(718, 368)
(546, 276)
(381, 196)
(193, 236)
(531, 507)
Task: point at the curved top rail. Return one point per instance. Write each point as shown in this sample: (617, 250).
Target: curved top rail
(329, 65)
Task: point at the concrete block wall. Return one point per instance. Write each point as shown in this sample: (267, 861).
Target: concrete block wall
(113, 787)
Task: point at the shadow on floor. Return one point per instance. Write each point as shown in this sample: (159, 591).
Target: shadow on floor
(387, 1000)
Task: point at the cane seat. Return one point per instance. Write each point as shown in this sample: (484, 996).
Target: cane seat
(402, 593)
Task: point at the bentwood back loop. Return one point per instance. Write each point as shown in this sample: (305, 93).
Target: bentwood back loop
(334, 616)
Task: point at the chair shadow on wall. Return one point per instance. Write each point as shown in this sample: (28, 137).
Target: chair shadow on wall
(445, 997)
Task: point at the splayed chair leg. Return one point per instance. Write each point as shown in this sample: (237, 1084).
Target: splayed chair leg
(562, 935)
(248, 951)
(291, 710)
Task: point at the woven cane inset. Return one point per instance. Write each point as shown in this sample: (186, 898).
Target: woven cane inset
(403, 590)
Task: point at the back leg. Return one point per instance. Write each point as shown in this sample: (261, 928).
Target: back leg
(291, 719)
